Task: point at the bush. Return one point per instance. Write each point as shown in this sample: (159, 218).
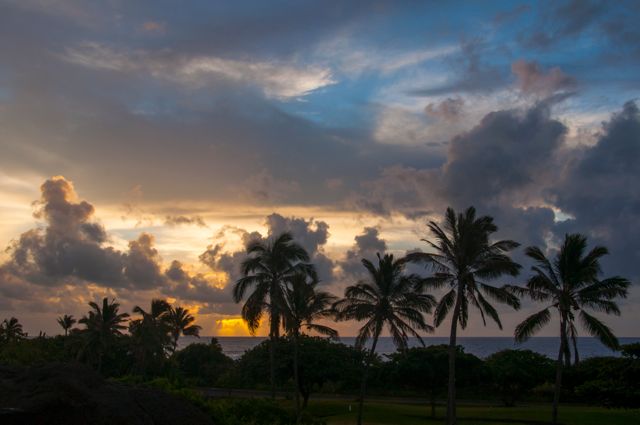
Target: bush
(516, 372)
(203, 364)
(322, 363)
(607, 381)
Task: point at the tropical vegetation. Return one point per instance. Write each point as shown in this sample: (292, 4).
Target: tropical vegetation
(279, 286)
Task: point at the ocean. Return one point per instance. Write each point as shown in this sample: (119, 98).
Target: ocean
(482, 347)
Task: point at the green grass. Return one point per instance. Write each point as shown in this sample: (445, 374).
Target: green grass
(377, 413)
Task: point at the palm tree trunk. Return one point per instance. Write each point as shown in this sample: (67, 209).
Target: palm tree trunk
(556, 392)
(575, 349)
(451, 397)
(295, 375)
(363, 387)
(272, 365)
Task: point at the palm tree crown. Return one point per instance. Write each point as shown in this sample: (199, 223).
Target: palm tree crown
(268, 266)
(152, 328)
(102, 325)
(388, 297)
(570, 285)
(180, 321)
(66, 322)
(11, 330)
(464, 260)
(304, 304)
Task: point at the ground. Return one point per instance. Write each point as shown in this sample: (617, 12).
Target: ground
(377, 413)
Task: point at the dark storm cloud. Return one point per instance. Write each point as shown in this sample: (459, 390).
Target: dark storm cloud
(70, 251)
(503, 166)
(502, 156)
(367, 245)
(311, 234)
(71, 248)
(194, 287)
(601, 190)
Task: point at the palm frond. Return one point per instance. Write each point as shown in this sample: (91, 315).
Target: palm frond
(532, 324)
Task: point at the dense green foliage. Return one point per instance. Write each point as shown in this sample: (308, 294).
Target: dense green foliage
(516, 372)
(203, 364)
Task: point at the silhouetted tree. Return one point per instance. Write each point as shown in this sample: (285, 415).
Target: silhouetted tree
(11, 330)
(387, 297)
(267, 268)
(151, 334)
(66, 322)
(180, 321)
(464, 260)
(302, 306)
(102, 326)
(570, 284)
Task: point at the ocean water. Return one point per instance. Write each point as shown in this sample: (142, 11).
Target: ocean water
(482, 347)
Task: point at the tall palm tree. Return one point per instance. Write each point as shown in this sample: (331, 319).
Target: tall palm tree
(387, 297)
(66, 322)
(464, 260)
(102, 326)
(151, 333)
(569, 284)
(11, 330)
(180, 321)
(269, 265)
(303, 305)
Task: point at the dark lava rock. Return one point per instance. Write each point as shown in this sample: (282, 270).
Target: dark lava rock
(72, 394)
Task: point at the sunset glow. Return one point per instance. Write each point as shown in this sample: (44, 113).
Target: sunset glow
(143, 149)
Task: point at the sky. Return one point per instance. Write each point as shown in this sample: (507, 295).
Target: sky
(143, 144)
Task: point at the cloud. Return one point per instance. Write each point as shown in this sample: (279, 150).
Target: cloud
(198, 288)
(449, 109)
(367, 245)
(531, 79)
(177, 220)
(71, 247)
(564, 22)
(600, 190)
(276, 79)
(154, 27)
(311, 234)
(472, 74)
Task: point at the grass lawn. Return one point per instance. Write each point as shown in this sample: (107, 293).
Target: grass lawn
(337, 413)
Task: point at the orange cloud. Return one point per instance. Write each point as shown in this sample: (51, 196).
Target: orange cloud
(154, 26)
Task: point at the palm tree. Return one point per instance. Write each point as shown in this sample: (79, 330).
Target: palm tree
(102, 326)
(180, 321)
(268, 266)
(11, 330)
(387, 297)
(66, 322)
(302, 307)
(464, 260)
(570, 285)
(151, 333)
